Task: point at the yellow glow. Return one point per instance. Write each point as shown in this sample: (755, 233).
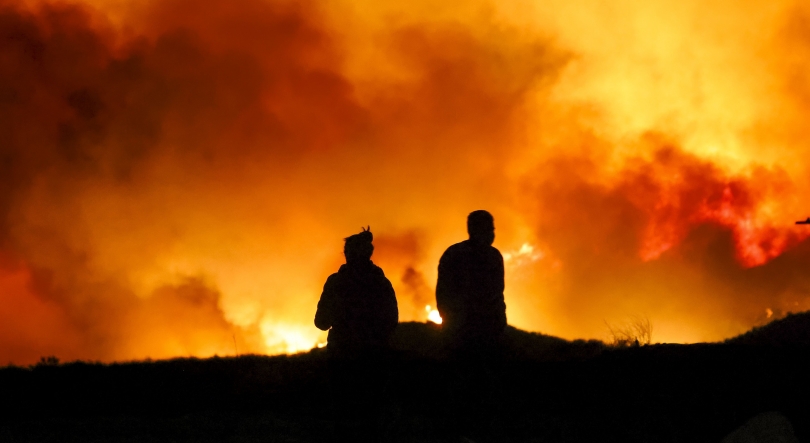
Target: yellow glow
(191, 172)
(280, 338)
(433, 315)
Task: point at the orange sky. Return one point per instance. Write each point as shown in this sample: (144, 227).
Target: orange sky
(176, 177)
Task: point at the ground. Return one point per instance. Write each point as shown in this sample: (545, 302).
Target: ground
(546, 389)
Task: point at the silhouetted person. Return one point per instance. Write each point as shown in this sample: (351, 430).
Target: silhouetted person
(359, 309)
(469, 297)
(469, 292)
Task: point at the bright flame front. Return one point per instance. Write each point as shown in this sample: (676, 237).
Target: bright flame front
(433, 315)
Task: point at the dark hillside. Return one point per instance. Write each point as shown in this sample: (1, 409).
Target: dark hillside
(549, 390)
(793, 329)
(423, 339)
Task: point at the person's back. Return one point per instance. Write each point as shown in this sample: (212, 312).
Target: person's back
(359, 309)
(469, 291)
(358, 305)
(469, 296)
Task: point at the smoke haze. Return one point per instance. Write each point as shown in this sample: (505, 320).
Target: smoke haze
(176, 177)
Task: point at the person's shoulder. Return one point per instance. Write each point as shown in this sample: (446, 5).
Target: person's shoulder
(376, 270)
(449, 255)
(458, 248)
(495, 252)
(489, 253)
(337, 276)
(379, 276)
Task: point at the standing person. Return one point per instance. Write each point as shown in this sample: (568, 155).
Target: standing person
(359, 309)
(469, 297)
(469, 292)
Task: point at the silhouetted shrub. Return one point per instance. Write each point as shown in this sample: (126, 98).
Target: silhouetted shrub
(48, 361)
(635, 332)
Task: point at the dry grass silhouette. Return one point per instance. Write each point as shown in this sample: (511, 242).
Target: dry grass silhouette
(634, 332)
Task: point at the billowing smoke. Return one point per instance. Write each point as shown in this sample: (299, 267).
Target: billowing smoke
(176, 177)
(670, 237)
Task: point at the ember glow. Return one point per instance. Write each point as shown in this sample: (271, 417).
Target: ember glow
(176, 176)
(433, 315)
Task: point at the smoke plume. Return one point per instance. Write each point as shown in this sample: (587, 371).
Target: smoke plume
(176, 177)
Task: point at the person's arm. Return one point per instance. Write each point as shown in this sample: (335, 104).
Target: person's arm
(501, 286)
(325, 315)
(447, 296)
(443, 291)
(392, 310)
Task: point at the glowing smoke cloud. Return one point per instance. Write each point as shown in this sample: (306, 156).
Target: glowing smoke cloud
(176, 177)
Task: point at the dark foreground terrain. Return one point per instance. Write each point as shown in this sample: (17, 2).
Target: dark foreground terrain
(549, 390)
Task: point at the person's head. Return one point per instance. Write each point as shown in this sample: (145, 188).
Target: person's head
(481, 227)
(358, 247)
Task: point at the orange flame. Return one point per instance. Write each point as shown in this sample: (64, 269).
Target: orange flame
(433, 315)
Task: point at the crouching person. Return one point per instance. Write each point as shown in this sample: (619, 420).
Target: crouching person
(359, 309)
